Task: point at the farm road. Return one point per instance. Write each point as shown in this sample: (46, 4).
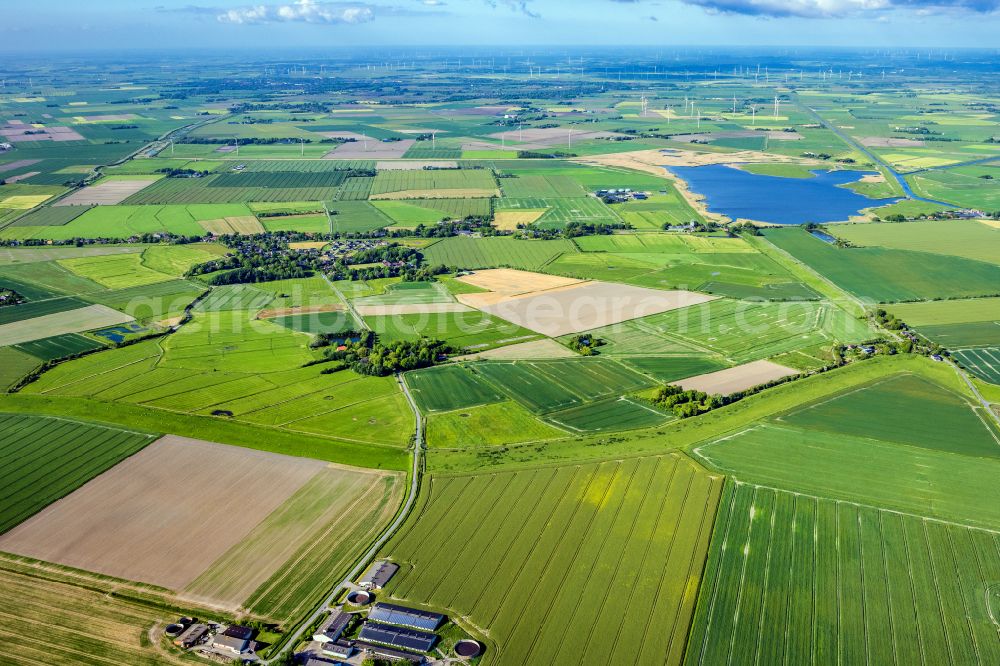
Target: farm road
(348, 582)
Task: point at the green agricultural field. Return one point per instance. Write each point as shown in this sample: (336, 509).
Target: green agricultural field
(608, 415)
(218, 341)
(549, 386)
(888, 275)
(803, 579)
(448, 184)
(43, 459)
(958, 238)
(962, 187)
(450, 387)
(954, 324)
(740, 331)
(473, 330)
(560, 212)
(670, 368)
(116, 271)
(14, 365)
(487, 425)
(32, 309)
(409, 293)
(150, 302)
(176, 260)
(58, 346)
(908, 409)
(235, 297)
(46, 279)
(496, 252)
(983, 363)
(281, 407)
(922, 481)
(734, 270)
(356, 216)
(632, 545)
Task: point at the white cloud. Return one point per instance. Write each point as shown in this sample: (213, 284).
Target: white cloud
(300, 11)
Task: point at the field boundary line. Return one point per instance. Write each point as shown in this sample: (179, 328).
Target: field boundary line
(86, 423)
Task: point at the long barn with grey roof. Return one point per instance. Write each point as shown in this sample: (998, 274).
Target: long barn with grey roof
(378, 575)
(406, 617)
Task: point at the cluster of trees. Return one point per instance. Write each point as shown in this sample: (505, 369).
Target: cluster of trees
(183, 173)
(585, 344)
(10, 297)
(246, 141)
(686, 403)
(889, 321)
(368, 356)
(741, 228)
(258, 258)
(573, 229)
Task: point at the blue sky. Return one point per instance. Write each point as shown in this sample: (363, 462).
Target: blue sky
(104, 24)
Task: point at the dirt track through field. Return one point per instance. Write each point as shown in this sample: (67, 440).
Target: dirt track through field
(164, 515)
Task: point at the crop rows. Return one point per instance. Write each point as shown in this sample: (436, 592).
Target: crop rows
(421, 180)
(480, 549)
(466, 252)
(796, 579)
(43, 459)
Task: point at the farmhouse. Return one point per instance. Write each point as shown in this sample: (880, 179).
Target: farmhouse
(406, 617)
(378, 575)
(397, 637)
(235, 639)
(331, 630)
(339, 649)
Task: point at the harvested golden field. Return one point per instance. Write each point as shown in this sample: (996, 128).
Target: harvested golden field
(524, 351)
(47, 622)
(241, 224)
(508, 220)
(511, 282)
(164, 515)
(555, 306)
(740, 378)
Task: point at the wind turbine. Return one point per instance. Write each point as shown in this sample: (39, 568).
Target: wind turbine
(777, 106)
(569, 140)
(645, 105)
(734, 105)
(669, 109)
(753, 114)
(302, 147)
(364, 141)
(434, 140)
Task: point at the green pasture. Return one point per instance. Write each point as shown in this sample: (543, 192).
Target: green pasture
(907, 409)
(496, 252)
(959, 238)
(488, 425)
(890, 275)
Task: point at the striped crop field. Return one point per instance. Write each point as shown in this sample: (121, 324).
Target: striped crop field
(796, 579)
(43, 459)
(983, 363)
(560, 564)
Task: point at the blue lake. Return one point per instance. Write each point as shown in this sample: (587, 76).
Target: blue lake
(740, 194)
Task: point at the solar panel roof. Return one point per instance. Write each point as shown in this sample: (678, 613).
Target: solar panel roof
(408, 639)
(406, 617)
